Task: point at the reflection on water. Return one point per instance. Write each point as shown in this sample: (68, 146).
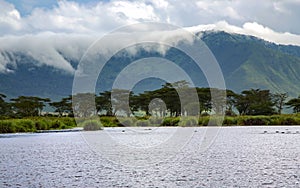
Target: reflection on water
(240, 156)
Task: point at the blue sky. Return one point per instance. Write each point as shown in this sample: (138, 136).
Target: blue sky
(26, 6)
(265, 19)
(280, 16)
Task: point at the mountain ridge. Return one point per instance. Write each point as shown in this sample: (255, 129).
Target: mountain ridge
(246, 62)
(278, 61)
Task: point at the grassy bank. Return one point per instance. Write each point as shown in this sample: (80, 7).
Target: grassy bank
(35, 124)
(286, 119)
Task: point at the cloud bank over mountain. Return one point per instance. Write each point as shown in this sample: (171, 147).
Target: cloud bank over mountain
(65, 29)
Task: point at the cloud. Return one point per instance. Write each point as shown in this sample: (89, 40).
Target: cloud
(10, 19)
(45, 48)
(73, 17)
(57, 50)
(104, 16)
(67, 28)
(253, 29)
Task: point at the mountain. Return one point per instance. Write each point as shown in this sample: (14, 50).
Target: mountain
(249, 62)
(246, 62)
(30, 78)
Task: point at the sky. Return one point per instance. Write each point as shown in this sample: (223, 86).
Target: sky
(24, 24)
(31, 16)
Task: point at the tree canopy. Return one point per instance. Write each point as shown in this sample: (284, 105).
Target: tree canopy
(169, 100)
(294, 104)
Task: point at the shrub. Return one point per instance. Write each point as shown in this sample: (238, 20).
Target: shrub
(41, 124)
(25, 125)
(289, 121)
(277, 119)
(171, 121)
(7, 126)
(203, 121)
(230, 121)
(55, 124)
(68, 122)
(254, 120)
(142, 117)
(91, 125)
(109, 121)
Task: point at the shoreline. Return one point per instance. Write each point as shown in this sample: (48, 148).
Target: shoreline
(80, 129)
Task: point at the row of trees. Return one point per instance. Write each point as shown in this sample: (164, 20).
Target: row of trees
(160, 102)
(166, 99)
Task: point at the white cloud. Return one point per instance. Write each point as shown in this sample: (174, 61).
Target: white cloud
(70, 27)
(253, 29)
(104, 16)
(160, 4)
(10, 19)
(46, 48)
(133, 11)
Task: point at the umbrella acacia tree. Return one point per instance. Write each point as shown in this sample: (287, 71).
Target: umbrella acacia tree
(63, 106)
(295, 104)
(25, 106)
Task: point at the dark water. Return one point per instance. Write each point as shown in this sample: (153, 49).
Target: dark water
(238, 157)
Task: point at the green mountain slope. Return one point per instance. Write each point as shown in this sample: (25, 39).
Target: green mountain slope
(248, 62)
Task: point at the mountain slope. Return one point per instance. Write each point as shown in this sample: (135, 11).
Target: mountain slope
(28, 77)
(247, 62)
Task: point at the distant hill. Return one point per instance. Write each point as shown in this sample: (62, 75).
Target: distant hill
(30, 78)
(247, 62)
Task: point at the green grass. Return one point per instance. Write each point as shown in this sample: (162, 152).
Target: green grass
(287, 119)
(92, 125)
(35, 124)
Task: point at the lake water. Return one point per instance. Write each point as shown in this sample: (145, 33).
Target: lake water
(237, 157)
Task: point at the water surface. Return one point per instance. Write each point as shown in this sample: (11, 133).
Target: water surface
(238, 157)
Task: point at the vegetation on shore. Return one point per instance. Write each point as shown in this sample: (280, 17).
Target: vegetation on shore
(161, 107)
(284, 119)
(35, 124)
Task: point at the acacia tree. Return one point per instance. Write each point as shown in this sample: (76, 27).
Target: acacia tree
(63, 106)
(279, 99)
(24, 106)
(4, 106)
(157, 107)
(219, 100)
(204, 99)
(103, 103)
(255, 102)
(120, 101)
(141, 102)
(83, 104)
(171, 98)
(295, 104)
(230, 102)
(160, 100)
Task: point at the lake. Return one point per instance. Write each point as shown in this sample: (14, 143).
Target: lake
(254, 156)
